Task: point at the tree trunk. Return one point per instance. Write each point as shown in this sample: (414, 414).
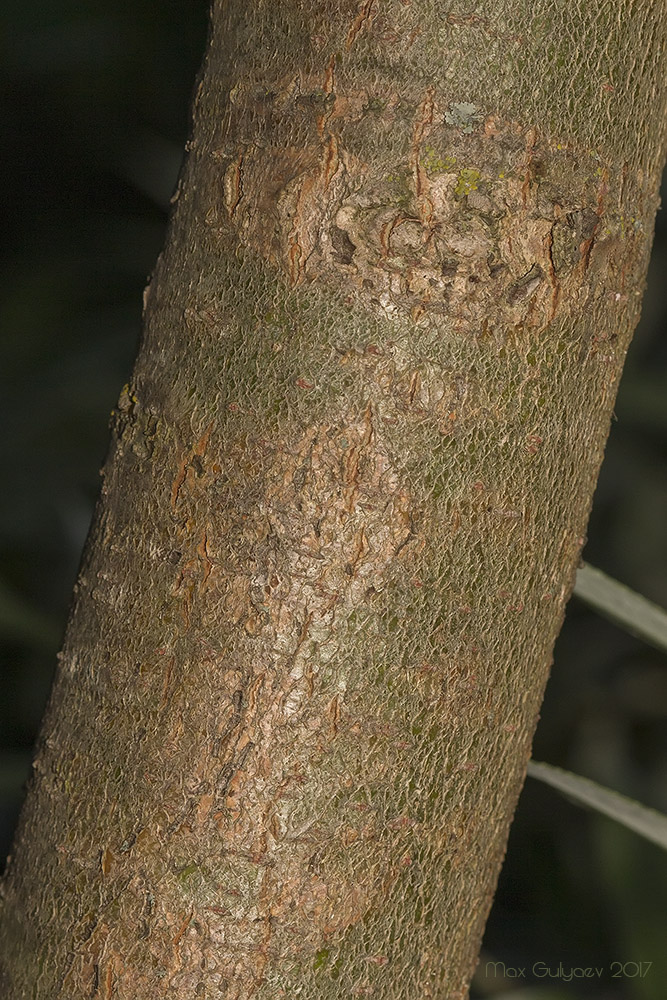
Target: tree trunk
(344, 504)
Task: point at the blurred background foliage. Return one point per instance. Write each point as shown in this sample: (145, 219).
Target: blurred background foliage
(94, 106)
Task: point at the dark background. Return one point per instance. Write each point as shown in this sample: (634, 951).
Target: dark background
(94, 110)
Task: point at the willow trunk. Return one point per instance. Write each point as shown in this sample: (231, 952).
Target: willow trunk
(344, 503)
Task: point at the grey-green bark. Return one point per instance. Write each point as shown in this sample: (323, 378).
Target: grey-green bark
(344, 503)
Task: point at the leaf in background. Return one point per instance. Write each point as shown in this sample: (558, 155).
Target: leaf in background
(622, 606)
(646, 822)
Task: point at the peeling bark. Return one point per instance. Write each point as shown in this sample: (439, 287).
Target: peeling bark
(344, 503)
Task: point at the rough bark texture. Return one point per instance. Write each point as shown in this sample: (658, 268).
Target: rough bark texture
(344, 504)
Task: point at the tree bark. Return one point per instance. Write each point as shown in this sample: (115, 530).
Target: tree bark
(344, 503)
